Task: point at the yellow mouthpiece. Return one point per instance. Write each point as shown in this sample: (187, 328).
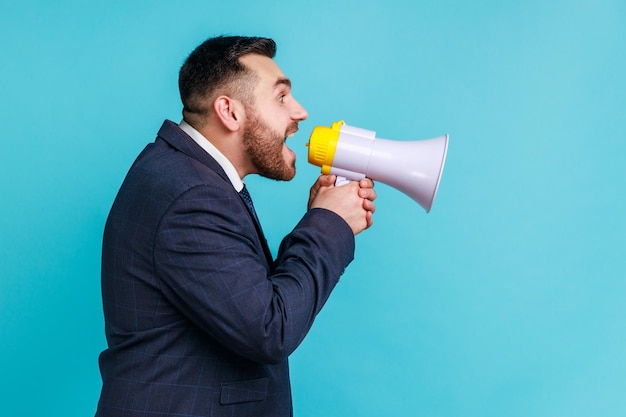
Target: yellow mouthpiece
(323, 144)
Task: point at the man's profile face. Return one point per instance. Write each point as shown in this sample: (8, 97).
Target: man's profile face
(271, 119)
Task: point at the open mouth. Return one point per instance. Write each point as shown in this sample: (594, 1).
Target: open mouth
(291, 132)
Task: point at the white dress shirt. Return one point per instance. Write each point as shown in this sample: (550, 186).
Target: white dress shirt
(205, 144)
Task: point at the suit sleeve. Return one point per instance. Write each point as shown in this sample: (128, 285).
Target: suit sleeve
(212, 268)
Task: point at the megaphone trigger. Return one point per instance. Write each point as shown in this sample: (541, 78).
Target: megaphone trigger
(352, 153)
(341, 181)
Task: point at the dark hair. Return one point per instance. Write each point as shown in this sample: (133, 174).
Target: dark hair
(213, 68)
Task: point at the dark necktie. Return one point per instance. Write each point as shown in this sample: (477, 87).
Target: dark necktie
(245, 195)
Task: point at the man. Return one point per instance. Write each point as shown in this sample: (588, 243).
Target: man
(200, 320)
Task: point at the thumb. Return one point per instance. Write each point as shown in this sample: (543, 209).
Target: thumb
(327, 180)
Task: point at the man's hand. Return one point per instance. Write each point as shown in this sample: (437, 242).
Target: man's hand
(354, 202)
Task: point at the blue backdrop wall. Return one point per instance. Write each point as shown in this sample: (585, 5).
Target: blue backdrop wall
(506, 300)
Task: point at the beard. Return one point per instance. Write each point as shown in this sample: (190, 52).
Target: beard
(264, 147)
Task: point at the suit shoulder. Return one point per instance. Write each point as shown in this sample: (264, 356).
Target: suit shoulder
(159, 176)
(168, 172)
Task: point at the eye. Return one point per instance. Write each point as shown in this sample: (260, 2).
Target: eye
(281, 98)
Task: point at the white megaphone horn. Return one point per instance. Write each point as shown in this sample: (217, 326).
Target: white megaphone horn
(352, 153)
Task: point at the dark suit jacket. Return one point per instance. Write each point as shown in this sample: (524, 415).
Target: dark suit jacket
(199, 319)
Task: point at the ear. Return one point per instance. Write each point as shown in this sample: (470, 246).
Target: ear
(229, 112)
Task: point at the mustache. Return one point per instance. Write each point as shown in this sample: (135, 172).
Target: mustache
(291, 129)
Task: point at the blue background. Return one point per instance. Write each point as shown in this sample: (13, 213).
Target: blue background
(506, 300)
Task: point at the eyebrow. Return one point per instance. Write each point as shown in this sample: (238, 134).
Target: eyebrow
(283, 81)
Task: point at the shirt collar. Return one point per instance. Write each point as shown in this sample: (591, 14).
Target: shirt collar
(205, 144)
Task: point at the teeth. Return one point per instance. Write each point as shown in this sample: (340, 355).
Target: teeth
(290, 135)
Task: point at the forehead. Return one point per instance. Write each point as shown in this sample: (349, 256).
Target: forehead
(269, 73)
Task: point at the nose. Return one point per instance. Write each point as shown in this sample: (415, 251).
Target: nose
(298, 112)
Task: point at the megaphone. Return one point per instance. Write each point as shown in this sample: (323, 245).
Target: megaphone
(352, 153)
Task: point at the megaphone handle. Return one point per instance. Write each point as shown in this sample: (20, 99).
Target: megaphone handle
(341, 181)
(345, 176)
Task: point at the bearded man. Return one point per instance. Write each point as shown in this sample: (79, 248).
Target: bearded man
(199, 318)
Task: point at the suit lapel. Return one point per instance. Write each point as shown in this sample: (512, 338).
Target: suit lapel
(259, 230)
(172, 134)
